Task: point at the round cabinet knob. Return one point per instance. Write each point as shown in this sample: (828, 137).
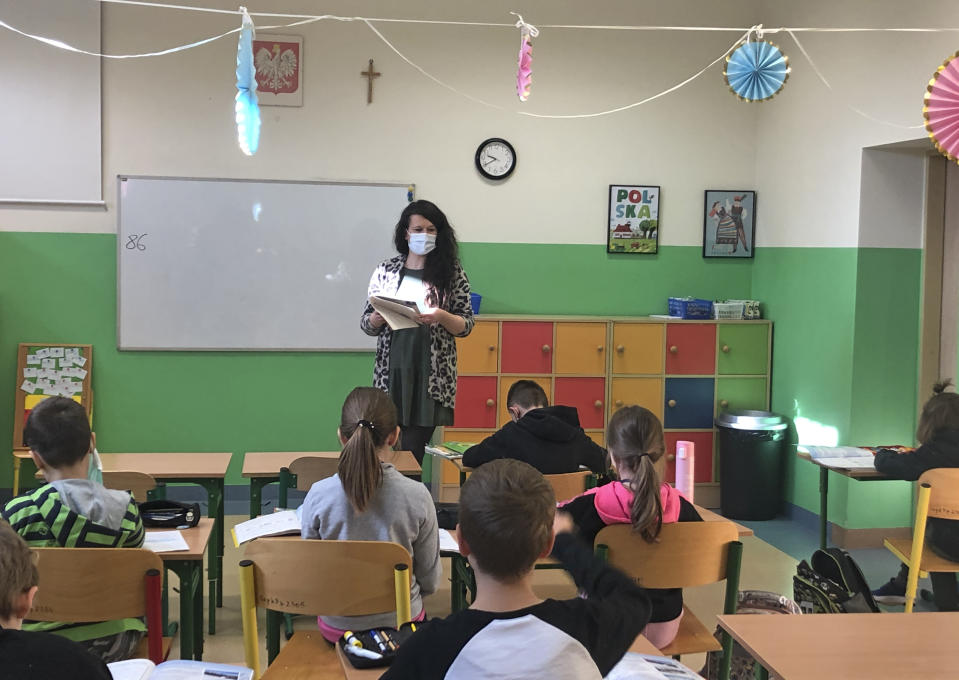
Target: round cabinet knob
(620, 348)
(724, 403)
(492, 348)
(671, 457)
(598, 404)
(673, 349)
(545, 348)
(725, 349)
(490, 402)
(599, 348)
(619, 402)
(672, 403)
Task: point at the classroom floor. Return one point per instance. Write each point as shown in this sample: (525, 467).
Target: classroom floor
(769, 562)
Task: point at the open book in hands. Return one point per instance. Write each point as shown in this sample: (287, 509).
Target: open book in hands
(397, 313)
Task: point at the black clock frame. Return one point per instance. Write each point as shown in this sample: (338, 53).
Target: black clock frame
(479, 150)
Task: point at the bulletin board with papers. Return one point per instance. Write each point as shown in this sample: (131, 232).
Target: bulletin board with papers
(47, 370)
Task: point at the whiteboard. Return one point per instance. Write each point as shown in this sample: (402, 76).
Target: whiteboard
(50, 118)
(227, 264)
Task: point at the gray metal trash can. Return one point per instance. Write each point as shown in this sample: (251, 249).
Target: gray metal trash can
(751, 452)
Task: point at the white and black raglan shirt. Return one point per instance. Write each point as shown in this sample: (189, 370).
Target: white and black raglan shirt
(576, 639)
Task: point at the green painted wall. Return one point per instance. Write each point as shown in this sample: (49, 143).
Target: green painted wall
(845, 356)
(62, 288)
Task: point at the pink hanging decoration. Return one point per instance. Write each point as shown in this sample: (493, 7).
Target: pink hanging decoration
(941, 108)
(524, 71)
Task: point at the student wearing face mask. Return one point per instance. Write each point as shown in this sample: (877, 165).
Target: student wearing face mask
(417, 366)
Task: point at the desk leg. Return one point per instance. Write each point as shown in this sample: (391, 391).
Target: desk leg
(462, 583)
(190, 573)
(823, 506)
(215, 491)
(16, 476)
(760, 672)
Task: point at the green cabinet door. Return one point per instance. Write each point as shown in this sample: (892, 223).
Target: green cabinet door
(741, 393)
(743, 348)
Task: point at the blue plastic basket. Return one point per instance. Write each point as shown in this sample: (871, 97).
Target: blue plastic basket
(691, 308)
(475, 299)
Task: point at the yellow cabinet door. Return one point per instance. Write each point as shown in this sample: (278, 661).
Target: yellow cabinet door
(478, 352)
(646, 392)
(597, 436)
(580, 348)
(504, 384)
(637, 348)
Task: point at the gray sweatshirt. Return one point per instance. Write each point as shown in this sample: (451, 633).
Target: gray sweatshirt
(98, 504)
(401, 511)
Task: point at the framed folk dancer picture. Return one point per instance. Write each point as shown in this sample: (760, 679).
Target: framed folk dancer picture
(279, 70)
(729, 223)
(633, 224)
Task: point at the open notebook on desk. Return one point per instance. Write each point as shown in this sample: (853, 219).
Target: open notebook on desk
(848, 457)
(450, 450)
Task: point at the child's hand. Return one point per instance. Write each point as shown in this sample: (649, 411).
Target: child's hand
(562, 523)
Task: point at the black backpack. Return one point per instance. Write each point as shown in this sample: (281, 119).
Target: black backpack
(832, 583)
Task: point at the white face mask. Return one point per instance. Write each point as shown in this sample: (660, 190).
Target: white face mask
(423, 243)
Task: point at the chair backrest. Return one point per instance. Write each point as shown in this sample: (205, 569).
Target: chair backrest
(687, 553)
(568, 485)
(335, 578)
(311, 469)
(100, 584)
(943, 492)
(137, 483)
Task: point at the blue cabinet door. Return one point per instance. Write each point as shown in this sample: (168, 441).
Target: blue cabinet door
(689, 403)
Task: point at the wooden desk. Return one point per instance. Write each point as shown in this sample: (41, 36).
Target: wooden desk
(307, 656)
(204, 469)
(263, 467)
(188, 566)
(860, 474)
(873, 646)
(710, 516)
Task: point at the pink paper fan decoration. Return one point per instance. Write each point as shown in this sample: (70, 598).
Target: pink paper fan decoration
(524, 73)
(941, 108)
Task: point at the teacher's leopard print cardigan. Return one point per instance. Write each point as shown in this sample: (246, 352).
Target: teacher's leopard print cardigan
(442, 386)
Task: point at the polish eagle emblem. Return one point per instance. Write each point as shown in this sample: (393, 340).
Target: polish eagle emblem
(276, 70)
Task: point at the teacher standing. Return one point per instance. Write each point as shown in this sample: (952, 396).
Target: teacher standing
(417, 366)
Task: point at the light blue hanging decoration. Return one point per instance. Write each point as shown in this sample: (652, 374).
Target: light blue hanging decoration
(247, 107)
(756, 70)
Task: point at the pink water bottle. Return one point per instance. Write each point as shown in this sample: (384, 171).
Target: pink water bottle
(685, 455)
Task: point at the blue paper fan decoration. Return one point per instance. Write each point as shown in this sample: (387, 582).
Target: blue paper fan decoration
(247, 106)
(756, 71)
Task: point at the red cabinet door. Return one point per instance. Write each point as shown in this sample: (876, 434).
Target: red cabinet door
(691, 348)
(527, 347)
(703, 452)
(475, 402)
(586, 395)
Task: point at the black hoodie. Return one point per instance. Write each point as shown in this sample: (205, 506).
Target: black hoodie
(548, 438)
(941, 451)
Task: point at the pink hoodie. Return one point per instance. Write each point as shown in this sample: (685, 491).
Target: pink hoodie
(614, 501)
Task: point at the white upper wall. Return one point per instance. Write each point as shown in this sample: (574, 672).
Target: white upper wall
(802, 151)
(173, 115)
(809, 144)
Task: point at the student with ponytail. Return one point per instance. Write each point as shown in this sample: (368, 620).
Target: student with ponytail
(369, 500)
(634, 438)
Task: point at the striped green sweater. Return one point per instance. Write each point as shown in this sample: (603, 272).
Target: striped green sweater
(44, 520)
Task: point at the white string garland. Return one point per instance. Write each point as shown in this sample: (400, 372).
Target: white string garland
(303, 19)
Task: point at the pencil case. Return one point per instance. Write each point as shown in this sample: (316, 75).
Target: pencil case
(377, 646)
(169, 514)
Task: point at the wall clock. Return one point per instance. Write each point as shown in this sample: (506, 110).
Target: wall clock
(495, 158)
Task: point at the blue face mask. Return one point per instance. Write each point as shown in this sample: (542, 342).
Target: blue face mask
(422, 243)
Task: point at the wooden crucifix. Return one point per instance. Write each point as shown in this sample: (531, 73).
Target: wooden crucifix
(369, 74)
